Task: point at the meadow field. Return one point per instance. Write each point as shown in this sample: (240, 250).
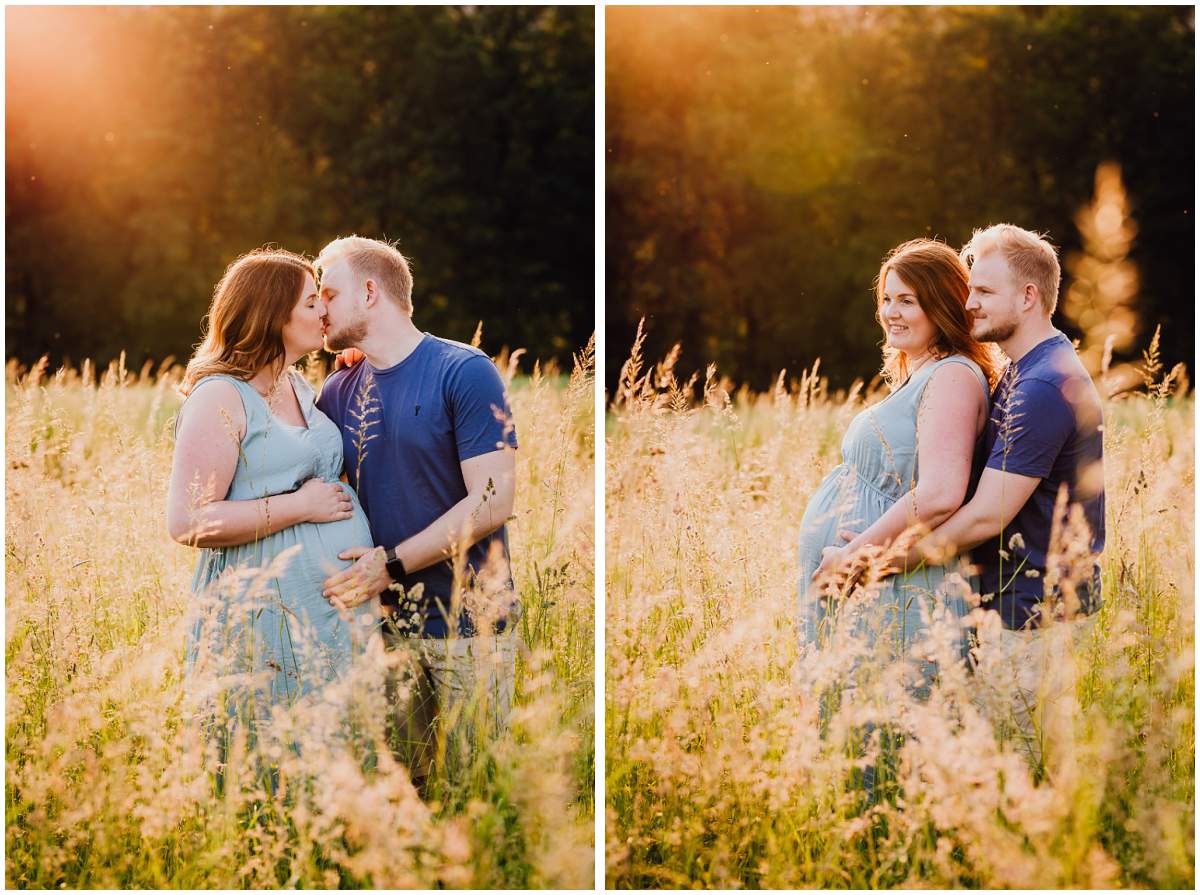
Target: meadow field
(110, 784)
(726, 768)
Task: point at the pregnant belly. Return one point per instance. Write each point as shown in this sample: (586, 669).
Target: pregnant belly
(815, 536)
(823, 516)
(839, 503)
(325, 540)
(320, 543)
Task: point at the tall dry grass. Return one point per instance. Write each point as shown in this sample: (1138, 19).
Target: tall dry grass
(725, 770)
(109, 783)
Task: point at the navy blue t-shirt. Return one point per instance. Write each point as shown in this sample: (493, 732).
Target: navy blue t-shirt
(1045, 423)
(405, 432)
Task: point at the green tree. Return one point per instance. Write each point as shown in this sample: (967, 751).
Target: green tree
(760, 162)
(172, 140)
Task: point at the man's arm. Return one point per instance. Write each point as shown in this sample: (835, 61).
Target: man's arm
(997, 500)
(1039, 423)
(491, 486)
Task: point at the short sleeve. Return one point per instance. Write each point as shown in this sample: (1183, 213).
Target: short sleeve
(482, 419)
(1033, 425)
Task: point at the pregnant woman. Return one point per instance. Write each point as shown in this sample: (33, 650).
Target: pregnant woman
(255, 484)
(906, 459)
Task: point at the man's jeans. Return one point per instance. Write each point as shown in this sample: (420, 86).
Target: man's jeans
(1026, 685)
(448, 697)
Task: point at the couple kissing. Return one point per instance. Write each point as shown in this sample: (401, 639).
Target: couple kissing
(367, 512)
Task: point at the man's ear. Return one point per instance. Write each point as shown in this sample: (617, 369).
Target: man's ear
(372, 293)
(1031, 298)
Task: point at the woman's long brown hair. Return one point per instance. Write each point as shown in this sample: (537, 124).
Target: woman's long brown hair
(939, 278)
(251, 304)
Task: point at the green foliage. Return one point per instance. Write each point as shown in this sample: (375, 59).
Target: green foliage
(760, 163)
(158, 144)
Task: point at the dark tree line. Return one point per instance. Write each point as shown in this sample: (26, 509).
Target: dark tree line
(147, 148)
(760, 163)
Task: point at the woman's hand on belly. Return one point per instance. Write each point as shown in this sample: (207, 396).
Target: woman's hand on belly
(324, 501)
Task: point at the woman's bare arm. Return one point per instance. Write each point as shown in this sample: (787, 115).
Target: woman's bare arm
(951, 414)
(207, 447)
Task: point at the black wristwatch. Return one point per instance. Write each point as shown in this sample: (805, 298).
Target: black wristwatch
(395, 565)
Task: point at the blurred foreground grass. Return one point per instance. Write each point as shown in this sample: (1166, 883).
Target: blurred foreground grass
(108, 786)
(721, 769)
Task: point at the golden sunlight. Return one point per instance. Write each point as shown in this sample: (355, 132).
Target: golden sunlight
(76, 78)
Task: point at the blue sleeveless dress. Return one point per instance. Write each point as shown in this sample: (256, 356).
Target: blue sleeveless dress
(261, 610)
(879, 467)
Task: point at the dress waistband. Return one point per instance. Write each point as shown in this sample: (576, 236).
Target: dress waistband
(869, 484)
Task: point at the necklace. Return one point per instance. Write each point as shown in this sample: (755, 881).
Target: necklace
(273, 391)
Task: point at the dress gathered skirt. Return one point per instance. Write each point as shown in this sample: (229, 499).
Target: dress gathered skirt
(878, 468)
(261, 624)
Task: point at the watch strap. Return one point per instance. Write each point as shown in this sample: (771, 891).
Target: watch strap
(395, 565)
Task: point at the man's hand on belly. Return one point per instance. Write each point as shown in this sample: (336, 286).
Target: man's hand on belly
(361, 581)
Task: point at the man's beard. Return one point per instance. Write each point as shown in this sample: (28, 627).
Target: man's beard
(349, 336)
(996, 332)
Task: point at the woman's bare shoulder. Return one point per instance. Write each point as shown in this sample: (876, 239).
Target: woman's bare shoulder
(213, 406)
(959, 374)
(953, 392)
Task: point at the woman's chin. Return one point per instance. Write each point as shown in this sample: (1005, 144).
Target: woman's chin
(908, 346)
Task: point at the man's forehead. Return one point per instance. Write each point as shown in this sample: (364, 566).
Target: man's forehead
(331, 272)
(987, 267)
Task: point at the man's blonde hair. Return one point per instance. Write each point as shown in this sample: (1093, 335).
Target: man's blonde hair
(1032, 258)
(381, 261)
